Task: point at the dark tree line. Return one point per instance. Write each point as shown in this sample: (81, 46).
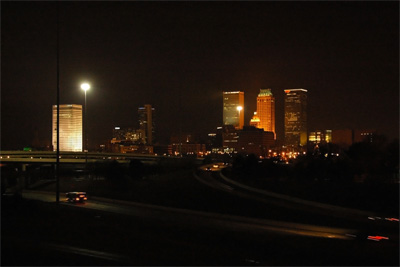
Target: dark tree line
(371, 163)
(119, 174)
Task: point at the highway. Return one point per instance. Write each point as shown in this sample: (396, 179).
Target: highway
(189, 217)
(131, 233)
(360, 224)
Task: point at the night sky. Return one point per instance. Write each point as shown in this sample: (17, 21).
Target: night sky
(180, 56)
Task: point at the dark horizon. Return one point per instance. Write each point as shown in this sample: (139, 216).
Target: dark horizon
(180, 56)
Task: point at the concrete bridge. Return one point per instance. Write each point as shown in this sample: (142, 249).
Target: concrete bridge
(17, 163)
(74, 157)
(49, 157)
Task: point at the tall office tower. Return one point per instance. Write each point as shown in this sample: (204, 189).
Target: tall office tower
(266, 110)
(70, 128)
(295, 117)
(146, 123)
(233, 113)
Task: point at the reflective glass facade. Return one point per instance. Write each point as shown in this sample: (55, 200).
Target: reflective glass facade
(231, 114)
(295, 117)
(146, 124)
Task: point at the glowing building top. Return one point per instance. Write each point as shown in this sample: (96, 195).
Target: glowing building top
(255, 121)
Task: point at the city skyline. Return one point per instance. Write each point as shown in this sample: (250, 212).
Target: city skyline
(346, 54)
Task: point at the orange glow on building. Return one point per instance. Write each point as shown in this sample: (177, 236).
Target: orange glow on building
(255, 121)
(266, 110)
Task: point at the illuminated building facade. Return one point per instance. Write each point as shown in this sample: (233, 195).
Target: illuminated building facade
(146, 123)
(126, 134)
(319, 136)
(266, 110)
(187, 149)
(255, 121)
(233, 112)
(295, 117)
(70, 128)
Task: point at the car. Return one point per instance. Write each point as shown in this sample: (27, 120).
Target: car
(76, 197)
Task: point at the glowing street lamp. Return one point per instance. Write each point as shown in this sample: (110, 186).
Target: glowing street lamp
(85, 87)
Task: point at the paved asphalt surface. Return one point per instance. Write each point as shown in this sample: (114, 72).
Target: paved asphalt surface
(113, 232)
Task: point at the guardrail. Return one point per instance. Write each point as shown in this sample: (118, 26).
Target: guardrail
(75, 157)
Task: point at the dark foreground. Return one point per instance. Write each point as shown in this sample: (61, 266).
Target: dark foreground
(38, 233)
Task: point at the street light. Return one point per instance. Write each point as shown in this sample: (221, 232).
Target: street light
(239, 108)
(85, 87)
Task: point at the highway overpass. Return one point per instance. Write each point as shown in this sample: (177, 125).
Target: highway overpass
(79, 157)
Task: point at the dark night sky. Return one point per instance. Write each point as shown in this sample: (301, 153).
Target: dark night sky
(166, 53)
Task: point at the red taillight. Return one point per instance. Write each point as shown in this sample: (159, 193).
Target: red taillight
(81, 195)
(377, 238)
(77, 198)
(85, 198)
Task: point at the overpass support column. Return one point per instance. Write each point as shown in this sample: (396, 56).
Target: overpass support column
(24, 177)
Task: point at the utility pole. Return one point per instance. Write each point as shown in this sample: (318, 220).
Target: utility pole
(58, 112)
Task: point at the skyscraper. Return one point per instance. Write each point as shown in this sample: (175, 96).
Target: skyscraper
(295, 117)
(146, 123)
(70, 128)
(233, 112)
(266, 110)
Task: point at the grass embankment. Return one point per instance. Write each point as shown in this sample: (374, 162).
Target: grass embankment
(380, 198)
(176, 187)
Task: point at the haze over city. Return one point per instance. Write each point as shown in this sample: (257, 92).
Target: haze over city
(179, 57)
(143, 133)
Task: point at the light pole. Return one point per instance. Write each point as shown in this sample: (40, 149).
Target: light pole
(58, 110)
(85, 87)
(239, 108)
